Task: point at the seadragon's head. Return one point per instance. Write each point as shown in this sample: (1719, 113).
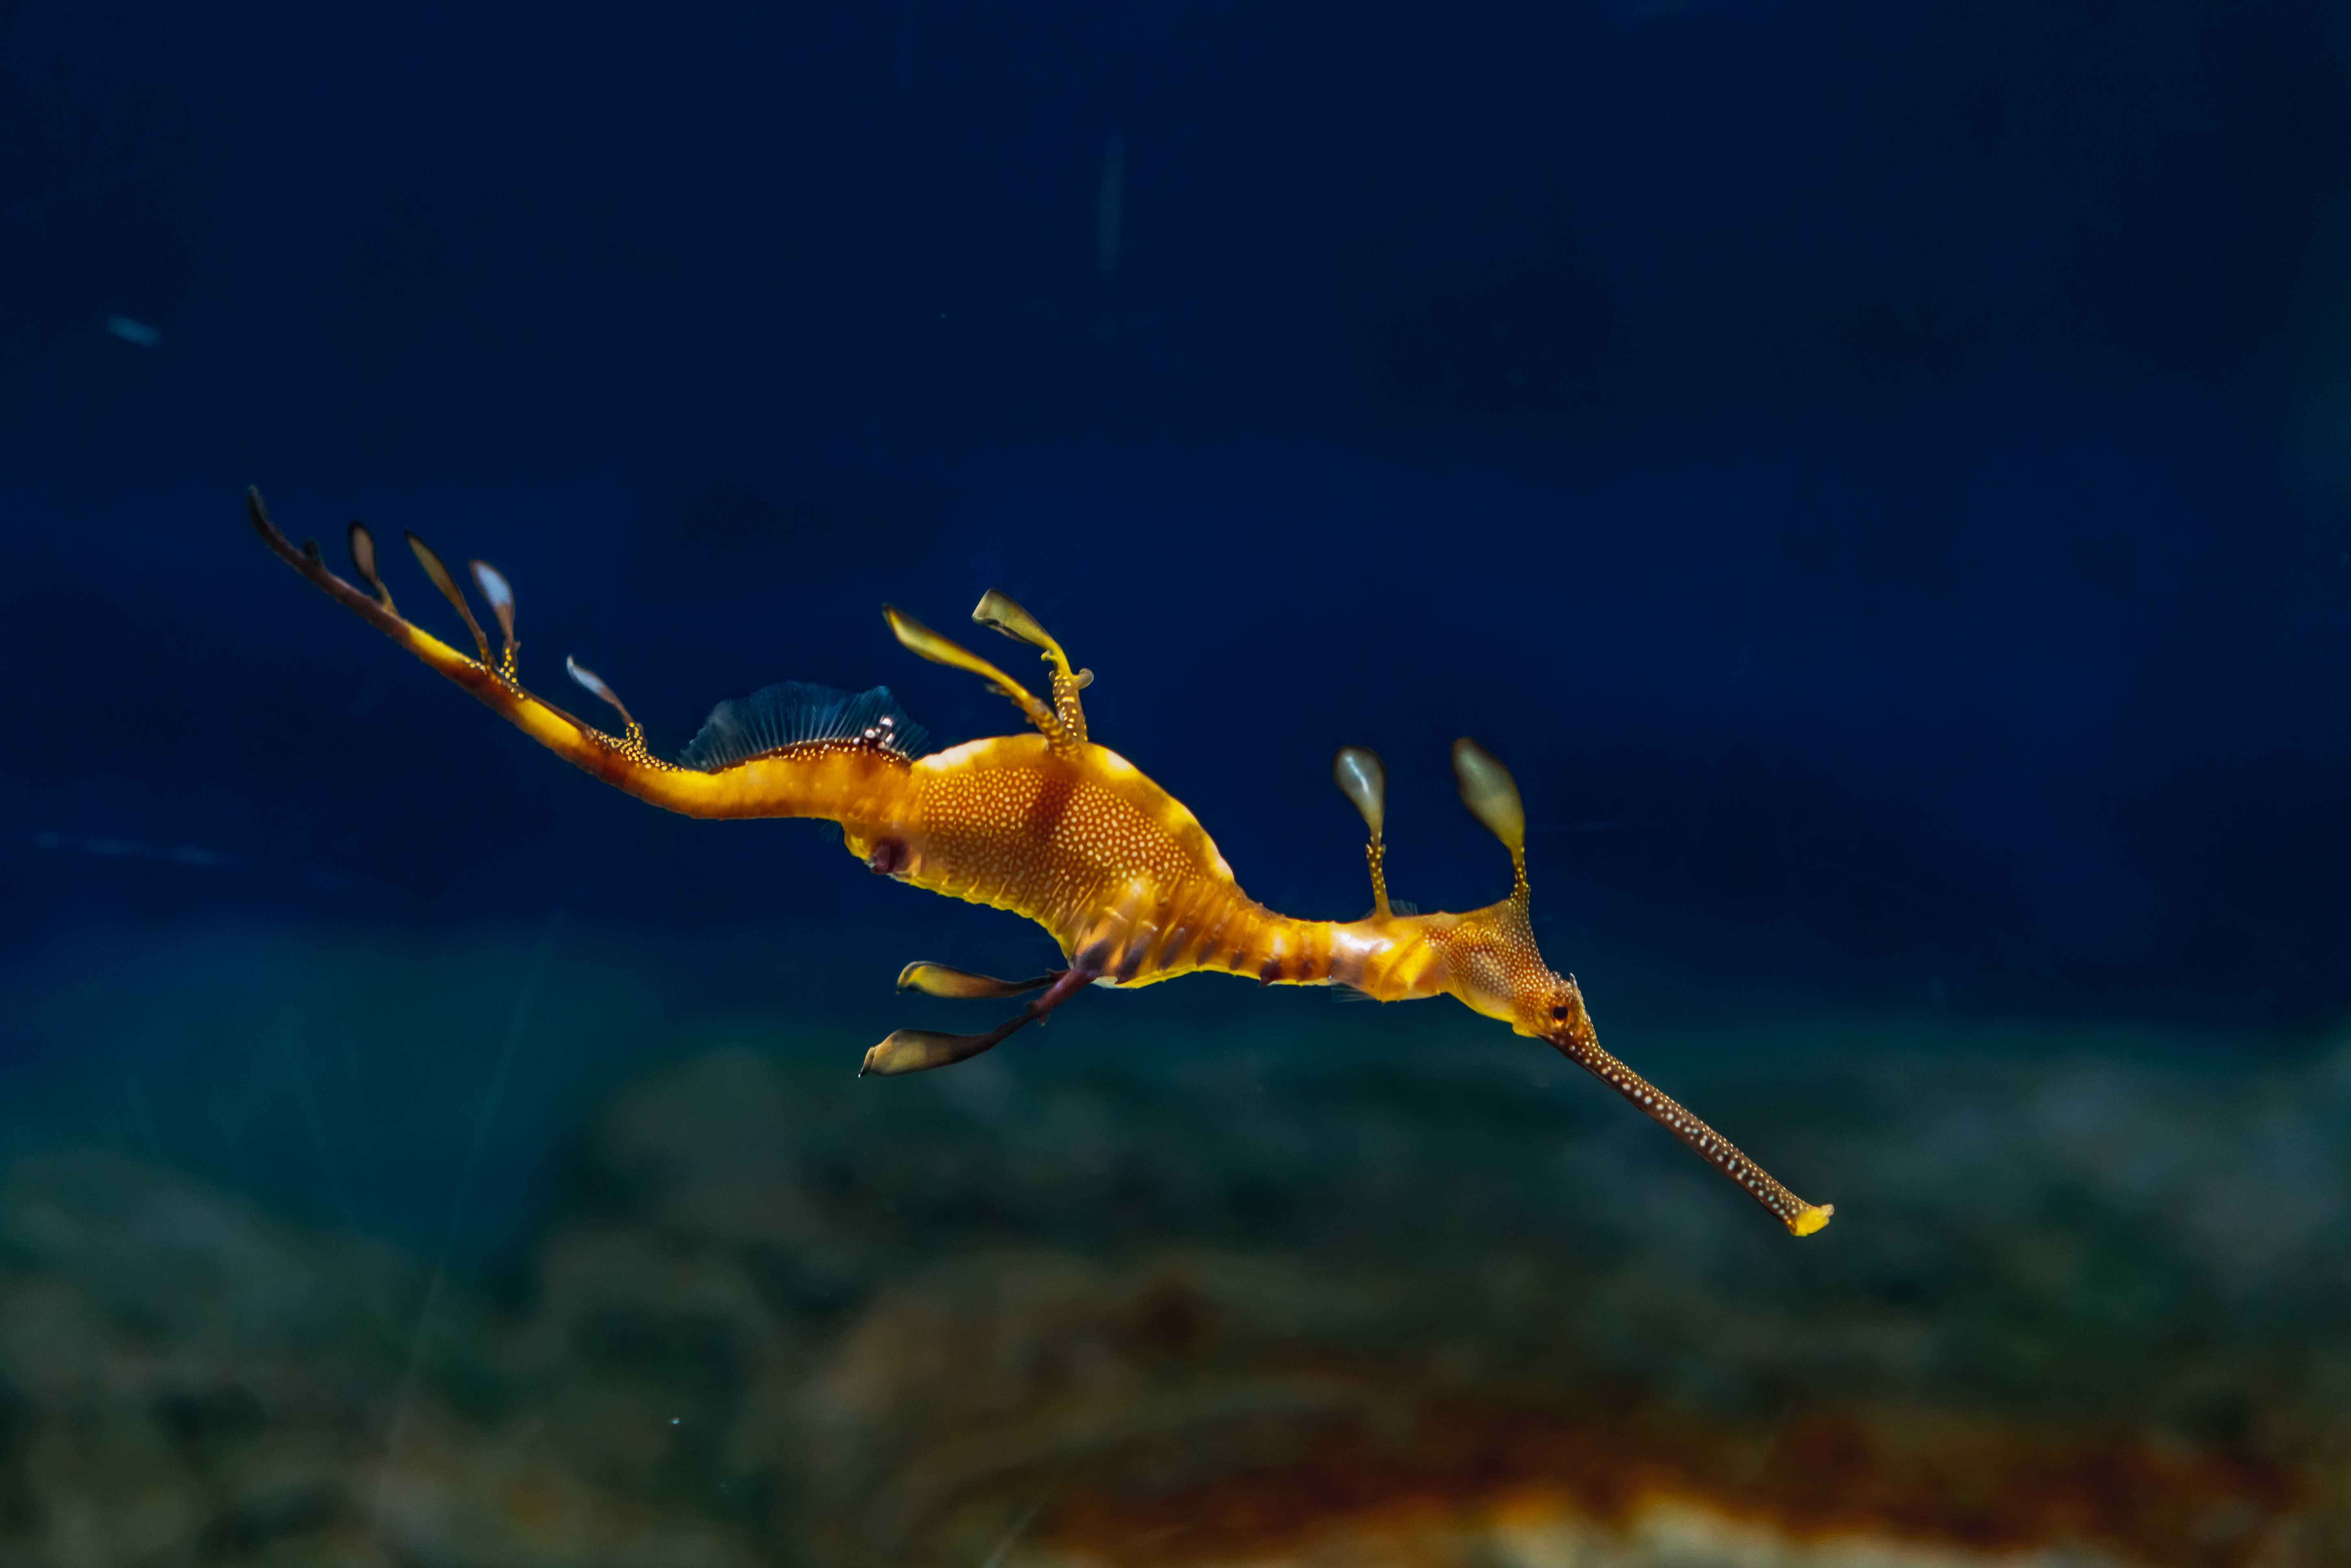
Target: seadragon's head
(1487, 958)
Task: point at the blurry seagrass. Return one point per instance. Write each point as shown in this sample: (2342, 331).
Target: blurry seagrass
(1253, 1304)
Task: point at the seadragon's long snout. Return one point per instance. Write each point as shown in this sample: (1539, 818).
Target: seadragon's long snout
(1487, 958)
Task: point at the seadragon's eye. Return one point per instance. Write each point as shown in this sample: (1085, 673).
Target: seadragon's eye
(1559, 1009)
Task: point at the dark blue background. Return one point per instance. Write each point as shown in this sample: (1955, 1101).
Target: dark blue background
(1878, 474)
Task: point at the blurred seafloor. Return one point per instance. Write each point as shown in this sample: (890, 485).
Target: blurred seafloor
(1278, 1282)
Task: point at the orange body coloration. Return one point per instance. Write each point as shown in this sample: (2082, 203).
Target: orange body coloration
(1065, 832)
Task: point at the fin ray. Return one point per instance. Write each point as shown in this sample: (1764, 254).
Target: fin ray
(793, 712)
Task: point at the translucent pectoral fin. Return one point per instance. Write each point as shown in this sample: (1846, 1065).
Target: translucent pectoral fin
(795, 713)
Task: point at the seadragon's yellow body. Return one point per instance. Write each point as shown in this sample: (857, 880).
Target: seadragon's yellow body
(1054, 827)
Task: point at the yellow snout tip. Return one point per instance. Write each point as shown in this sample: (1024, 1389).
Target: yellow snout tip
(1814, 1217)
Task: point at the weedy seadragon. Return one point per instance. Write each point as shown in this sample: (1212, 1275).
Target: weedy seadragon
(1050, 826)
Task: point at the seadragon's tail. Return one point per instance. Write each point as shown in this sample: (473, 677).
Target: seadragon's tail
(788, 751)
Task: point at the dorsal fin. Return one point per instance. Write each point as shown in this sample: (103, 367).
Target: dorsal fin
(793, 712)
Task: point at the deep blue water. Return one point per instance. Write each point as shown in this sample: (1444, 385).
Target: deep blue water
(1879, 475)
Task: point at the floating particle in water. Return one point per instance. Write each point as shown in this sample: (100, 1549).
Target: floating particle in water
(131, 332)
(1108, 207)
(107, 846)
